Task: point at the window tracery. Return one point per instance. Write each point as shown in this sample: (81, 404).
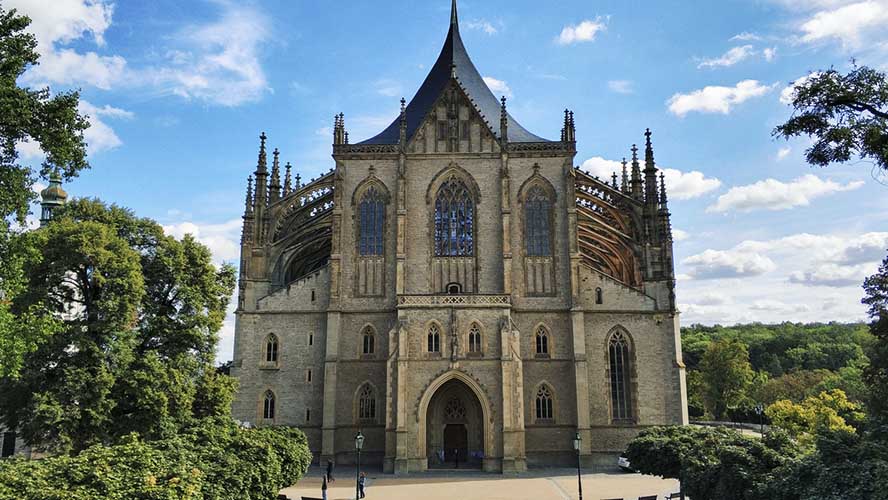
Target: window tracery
(454, 220)
(434, 339)
(542, 341)
(537, 217)
(371, 223)
(268, 405)
(544, 406)
(367, 403)
(618, 354)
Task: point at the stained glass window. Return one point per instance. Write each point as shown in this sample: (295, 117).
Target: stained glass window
(544, 406)
(454, 220)
(371, 214)
(618, 354)
(537, 231)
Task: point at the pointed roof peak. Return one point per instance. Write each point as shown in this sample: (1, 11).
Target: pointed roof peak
(453, 63)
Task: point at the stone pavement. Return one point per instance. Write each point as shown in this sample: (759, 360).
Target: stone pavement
(555, 484)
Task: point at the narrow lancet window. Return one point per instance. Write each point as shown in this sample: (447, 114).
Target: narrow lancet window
(268, 406)
(271, 349)
(544, 406)
(618, 354)
(542, 342)
(369, 341)
(434, 339)
(537, 216)
(371, 213)
(366, 403)
(475, 339)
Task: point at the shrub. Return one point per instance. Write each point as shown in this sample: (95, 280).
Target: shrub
(216, 461)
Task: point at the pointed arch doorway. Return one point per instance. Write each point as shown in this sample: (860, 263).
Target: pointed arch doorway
(454, 428)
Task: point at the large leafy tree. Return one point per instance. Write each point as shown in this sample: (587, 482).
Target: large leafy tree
(876, 298)
(845, 114)
(52, 122)
(139, 314)
(726, 373)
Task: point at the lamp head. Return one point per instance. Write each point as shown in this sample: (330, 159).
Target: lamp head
(359, 441)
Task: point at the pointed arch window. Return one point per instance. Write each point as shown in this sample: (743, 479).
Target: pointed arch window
(618, 360)
(537, 223)
(268, 406)
(371, 214)
(271, 349)
(599, 296)
(545, 409)
(542, 342)
(475, 339)
(434, 339)
(454, 220)
(366, 403)
(369, 341)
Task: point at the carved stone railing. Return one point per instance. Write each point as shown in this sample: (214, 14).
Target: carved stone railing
(454, 300)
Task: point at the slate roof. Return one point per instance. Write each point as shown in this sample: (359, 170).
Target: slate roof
(453, 55)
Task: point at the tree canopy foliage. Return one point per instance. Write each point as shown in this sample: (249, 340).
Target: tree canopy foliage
(137, 317)
(845, 114)
(726, 373)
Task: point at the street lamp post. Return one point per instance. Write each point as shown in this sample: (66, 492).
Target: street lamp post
(579, 477)
(359, 443)
(760, 411)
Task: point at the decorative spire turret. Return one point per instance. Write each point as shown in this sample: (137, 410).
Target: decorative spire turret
(247, 232)
(624, 187)
(636, 187)
(287, 180)
(274, 185)
(614, 180)
(340, 136)
(298, 184)
(665, 222)
(261, 174)
(403, 125)
(52, 197)
(568, 131)
(663, 201)
(650, 172)
(504, 119)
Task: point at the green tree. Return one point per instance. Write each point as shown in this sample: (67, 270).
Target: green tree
(845, 114)
(876, 375)
(139, 316)
(712, 462)
(54, 123)
(727, 373)
(816, 415)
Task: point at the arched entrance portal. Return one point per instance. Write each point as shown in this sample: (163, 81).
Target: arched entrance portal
(454, 428)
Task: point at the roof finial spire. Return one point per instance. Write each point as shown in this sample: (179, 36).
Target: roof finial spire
(288, 180)
(454, 19)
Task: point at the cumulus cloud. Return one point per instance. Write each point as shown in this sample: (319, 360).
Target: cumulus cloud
(621, 86)
(788, 93)
(679, 235)
(498, 87)
(100, 136)
(770, 53)
(714, 264)
(716, 99)
(586, 31)
(848, 24)
(729, 58)
(58, 23)
(223, 239)
(771, 194)
(832, 275)
(680, 185)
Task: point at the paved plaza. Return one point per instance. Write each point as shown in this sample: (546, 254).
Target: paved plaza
(555, 484)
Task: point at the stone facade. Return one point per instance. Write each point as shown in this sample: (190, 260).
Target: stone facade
(458, 292)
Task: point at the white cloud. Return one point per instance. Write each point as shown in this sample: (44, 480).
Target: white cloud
(832, 275)
(788, 93)
(100, 136)
(729, 58)
(621, 86)
(716, 99)
(848, 24)
(745, 37)
(783, 153)
(498, 87)
(586, 31)
(686, 185)
(771, 194)
(388, 87)
(713, 264)
(770, 53)
(55, 24)
(29, 150)
(679, 235)
(223, 239)
(679, 185)
(482, 25)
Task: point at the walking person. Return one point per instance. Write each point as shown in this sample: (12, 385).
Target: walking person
(361, 483)
(324, 487)
(330, 470)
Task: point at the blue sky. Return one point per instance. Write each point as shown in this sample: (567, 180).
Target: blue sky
(178, 92)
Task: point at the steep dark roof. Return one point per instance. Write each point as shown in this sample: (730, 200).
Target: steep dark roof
(453, 55)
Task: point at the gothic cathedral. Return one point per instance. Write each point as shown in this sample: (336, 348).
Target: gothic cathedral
(458, 292)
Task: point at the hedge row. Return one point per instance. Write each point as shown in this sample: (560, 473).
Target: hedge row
(217, 461)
